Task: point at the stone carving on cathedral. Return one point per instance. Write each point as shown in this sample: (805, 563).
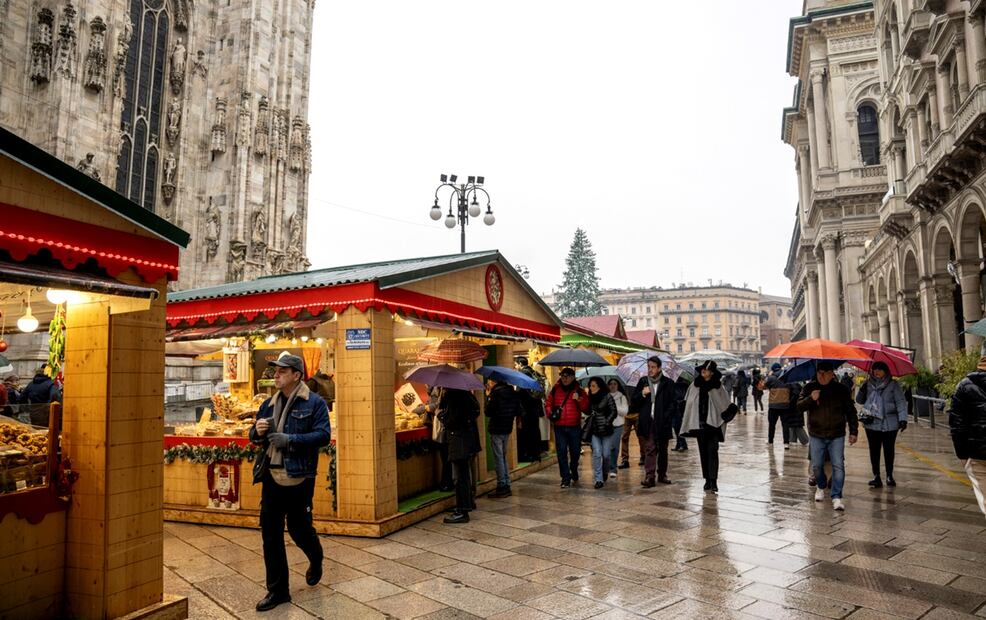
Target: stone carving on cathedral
(308, 148)
(275, 260)
(259, 230)
(295, 228)
(120, 62)
(95, 66)
(178, 54)
(262, 131)
(198, 65)
(243, 133)
(213, 228)
(237, 260)
(281, 134)
(174, 120)
(297, 144)
(170, 168)
(181, 14)
(65, 53)
(219, 127)
(86, 166)
(41, 48)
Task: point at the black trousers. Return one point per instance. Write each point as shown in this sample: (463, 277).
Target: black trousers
(462, 474)
(741, 400)
(294, 503)
(446, 482)
(708, 452)
(758, 401)
(885, 441)
(773, 417)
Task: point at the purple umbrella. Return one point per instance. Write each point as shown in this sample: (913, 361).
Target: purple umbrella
(445, 376)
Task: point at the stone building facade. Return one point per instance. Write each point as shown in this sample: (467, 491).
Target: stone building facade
(196, 110)
(833, 127)
(776, 321)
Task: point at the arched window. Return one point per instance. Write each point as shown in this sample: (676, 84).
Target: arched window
(140, 122)
(869, 134)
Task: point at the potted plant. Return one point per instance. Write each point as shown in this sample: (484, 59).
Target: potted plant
(922, 384)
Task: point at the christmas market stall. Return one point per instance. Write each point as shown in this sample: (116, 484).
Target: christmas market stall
(83, 275)
(603, 334)
(361, 330)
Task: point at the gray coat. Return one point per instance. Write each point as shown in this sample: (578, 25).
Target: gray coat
(894, 406)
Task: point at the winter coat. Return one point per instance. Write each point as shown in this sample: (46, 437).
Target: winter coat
(458, 411)
(742, 385)
(968, 417)
(502, 407)
(308, 426)
(657, 409)
(600, 420)
(783, 396)
(622, 406)
(793, 418)
(41, 389)
(894, 405)
(755, 382)
(828, 418)
(572, 409)
(707, 407)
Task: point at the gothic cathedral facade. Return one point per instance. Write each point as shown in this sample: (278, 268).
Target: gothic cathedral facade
(194, 109)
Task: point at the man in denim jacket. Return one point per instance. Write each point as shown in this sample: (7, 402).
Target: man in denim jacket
(291, 426)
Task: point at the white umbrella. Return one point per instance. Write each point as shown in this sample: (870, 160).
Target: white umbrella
(721, 358)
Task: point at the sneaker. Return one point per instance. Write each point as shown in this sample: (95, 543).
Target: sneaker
(837, 504)
(457, 517)
(598, 485)
(876, 483)
(612, 474)
(787, 446)
(819, 494)
(891, 482)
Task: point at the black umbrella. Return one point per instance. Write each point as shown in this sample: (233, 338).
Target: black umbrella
(573, 357)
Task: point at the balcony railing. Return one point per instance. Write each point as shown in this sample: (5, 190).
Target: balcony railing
(916, 31)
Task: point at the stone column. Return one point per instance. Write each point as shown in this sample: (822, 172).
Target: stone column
(823, 316)
(962, 71)
(900, 167)
(945, 314)
(812, 141)
(821, 116)
(811, 306)
(934, 109)
(893, 317)
(929, 323)
(883, 326)
(978, 48)
(972, 303)
(805, 176)
(922, 134)
(869, 321)
(944, 88)
(832, 289)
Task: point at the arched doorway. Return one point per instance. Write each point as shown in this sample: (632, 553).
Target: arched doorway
(969, 268)
(947, 294)
(911, 309)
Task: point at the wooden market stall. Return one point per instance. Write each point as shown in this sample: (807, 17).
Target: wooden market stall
(81, 525)
(603, 334)
(364, 326)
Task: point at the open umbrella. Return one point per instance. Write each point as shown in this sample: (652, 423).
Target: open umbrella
(445, 376)
(573, 357)
(721, 358)
(818, 349)
(804, 370)
(634, 366)
(509, 376)
(897, 361)
(453, 351)
(978, 328)
(603, 372)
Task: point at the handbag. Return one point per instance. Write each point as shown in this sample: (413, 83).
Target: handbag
(557, 411)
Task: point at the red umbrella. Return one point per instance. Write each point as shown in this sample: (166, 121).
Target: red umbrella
(818, 349)
(896, 360)
(453, 351)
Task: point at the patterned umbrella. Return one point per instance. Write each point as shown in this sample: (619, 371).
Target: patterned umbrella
(453, 351)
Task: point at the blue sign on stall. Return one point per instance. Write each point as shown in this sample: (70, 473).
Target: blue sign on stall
(358, 339)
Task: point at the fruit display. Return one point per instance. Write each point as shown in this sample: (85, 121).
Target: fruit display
(404, 421)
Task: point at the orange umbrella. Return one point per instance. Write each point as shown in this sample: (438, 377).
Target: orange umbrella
(453, 351)
(818, 349)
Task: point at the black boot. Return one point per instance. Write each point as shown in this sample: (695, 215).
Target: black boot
(876, 483)
(272, 600)
(457, 517)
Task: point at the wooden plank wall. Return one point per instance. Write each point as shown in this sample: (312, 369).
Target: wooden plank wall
(32, 567)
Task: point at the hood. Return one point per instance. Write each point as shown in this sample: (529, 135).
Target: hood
(978, 377)
(40, 379)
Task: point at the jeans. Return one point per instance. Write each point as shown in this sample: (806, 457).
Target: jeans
(602, 455)
(499, 445)
(797, 433)
(881, 440)
(835, 449)
(614, 449)
(629, 428)
(462, 473)
(774, 416)
(708, 451)
(568, 442)
(295, 504)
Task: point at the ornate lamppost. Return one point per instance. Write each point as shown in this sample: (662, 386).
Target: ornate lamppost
(466, 199)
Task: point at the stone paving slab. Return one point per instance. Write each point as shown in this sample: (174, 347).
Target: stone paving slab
(762, 548)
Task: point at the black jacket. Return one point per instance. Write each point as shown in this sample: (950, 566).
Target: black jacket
(968, 417)
(834, 410)
(599, 422)
(458, 411)
(41, 389)
(664, 404)
(502, 406)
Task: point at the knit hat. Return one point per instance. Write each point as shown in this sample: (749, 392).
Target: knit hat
(775, 366)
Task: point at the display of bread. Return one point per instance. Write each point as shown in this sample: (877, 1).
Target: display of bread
(20, 437)
(404, 421)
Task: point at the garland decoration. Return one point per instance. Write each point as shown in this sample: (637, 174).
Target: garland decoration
(206, 455)
(331, 451)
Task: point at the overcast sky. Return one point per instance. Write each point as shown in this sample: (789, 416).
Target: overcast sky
(654, 125)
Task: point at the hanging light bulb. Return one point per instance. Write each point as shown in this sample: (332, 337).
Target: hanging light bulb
(27, 323)
(319, 340)
(304, 338)
(270, 339)
(56, 296)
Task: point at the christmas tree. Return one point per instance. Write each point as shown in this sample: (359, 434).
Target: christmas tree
(578, 294)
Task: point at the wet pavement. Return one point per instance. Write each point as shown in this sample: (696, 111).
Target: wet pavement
(762, 548)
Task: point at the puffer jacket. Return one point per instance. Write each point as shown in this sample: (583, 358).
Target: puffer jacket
(572, 409)
(968, 417)
(502, 407)
(601, 417)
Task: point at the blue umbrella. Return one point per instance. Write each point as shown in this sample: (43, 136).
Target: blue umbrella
(445, 376)
(804, 370)
(510, 377)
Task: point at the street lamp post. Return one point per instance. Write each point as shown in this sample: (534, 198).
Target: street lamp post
(465, 208)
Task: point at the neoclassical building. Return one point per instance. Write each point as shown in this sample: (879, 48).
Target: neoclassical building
(833, 126)
(195, 109)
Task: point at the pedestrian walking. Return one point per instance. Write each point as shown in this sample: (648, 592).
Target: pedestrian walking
(742, 390)
(622, 406)
(968, 427)
(291, 426)
(502, 408)
(429, 414)
(680, 388)
(830, 411)
(884, 415)
(707, 411)
(564, 406)
(599, 430)
(654, 400)
(758, 385)
(629, 429)
(781, 400)
(529, 426)
(793, 423)
(847, 380)
(458, 411)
